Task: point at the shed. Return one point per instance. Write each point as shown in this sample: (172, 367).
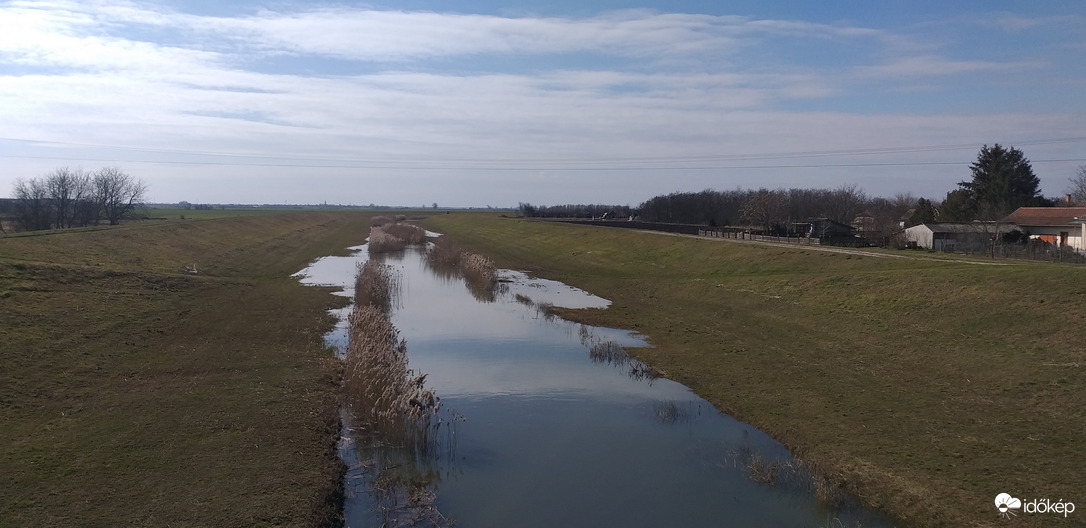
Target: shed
(951, 236)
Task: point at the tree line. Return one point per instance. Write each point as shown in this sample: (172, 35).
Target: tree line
(1002, 180)
(67, 198)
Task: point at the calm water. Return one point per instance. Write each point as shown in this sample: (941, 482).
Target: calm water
(545, 437)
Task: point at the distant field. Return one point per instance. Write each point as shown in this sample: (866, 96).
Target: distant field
(925, 386)
(134, 393)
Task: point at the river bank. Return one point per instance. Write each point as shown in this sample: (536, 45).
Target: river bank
(134, 392)
(921, 386)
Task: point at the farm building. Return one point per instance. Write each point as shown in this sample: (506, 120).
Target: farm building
(1059, 226)
(947, 236)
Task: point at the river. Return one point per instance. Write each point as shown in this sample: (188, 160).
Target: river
(549, 424)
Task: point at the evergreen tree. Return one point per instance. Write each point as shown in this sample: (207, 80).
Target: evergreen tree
(1003, 180)
(923, 213)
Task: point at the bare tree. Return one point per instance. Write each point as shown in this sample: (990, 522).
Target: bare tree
(67, 189)
(762, 208)
(118, 193)
(1077, 190)
(32, 207)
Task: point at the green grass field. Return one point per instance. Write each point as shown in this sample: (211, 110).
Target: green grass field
(133, 393)
(926, 387)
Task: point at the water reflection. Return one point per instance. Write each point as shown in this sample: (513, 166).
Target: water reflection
(556, 433)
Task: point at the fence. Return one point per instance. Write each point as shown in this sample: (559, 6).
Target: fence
(742, 235)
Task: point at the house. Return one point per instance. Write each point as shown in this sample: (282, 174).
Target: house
(826, 228)
(1059, 226)
(948, 236)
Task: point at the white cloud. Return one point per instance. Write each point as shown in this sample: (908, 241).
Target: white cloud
(933, 65)
(696, 88)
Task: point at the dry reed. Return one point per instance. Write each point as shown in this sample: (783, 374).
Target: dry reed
(376, 285)
(478, 269)
(795, 473)
(397, 417)
(411, 234)
(381, 241)
(480, 274)
(389, 235)
(444, 254)
(384, 395)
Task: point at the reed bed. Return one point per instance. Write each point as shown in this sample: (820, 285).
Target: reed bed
(381, 241)
(386, 397)
(478, 269)
(796, 474)
(394, 417)
(388, 234)
(444, 254)
(411, 234)
(479, 273)
(376, 285)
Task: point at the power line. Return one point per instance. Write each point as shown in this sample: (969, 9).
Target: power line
(528, 168)
(551, 164)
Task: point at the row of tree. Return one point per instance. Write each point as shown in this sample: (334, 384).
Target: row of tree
(67, 198)
(576, 211)
(1002, 181)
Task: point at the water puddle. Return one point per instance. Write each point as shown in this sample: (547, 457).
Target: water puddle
(555, 426)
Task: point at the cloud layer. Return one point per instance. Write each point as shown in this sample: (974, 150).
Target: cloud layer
(475, 109)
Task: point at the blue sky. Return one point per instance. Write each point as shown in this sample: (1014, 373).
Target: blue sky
(493, 103)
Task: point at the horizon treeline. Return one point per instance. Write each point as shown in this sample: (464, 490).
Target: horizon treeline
(770, 210)
(67, 198)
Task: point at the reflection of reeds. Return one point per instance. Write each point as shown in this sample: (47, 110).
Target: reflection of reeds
(608, 352)
(547, 310)
(612, 353)
(480, 274)
(523, 299)
(793, 473)
(670, 412)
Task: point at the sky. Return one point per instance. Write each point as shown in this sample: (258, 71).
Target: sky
(492, 103)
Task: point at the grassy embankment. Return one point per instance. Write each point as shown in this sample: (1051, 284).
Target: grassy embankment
(133, 393)
(925, 386)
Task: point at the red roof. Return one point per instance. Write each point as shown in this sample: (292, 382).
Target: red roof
(1045, 216)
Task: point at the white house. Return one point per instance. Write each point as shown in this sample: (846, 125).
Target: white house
(1059, 226)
